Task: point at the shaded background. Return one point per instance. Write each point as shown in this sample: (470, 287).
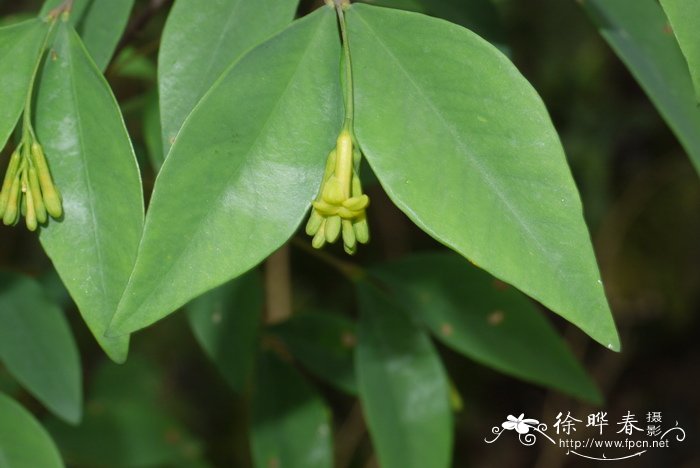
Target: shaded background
(642, 203)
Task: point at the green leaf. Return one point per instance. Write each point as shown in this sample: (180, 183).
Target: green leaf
(291, 423)
(77, 10)
(100, 24)
(37, 346)
(480, 16)
(459, 116)
(684, 16)
(324, 344)
(20, 46)
(260, 147)
(225, 29)
(226, 323)
(403, 387)
(23, 442)
(644, 43)
(101, 27)
(126, 423)
(94, 246)
(486, 320)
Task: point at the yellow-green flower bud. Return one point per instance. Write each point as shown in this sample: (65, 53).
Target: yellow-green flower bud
(7, 182)
(12, 209)
(35, 189)
(332, 229)
(52, 198)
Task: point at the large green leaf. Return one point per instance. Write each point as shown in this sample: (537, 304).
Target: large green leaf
(291, 423)
(323, 343)
(226, 323)
(684, 16)
(242, 173)
(100, 24)
(127, 422)
(200, 40)
(637, 30)
(94, 246)
(23, 442)
(20, 45)
(403, 387)
(485, 320)
(437, 106)
(37, 346)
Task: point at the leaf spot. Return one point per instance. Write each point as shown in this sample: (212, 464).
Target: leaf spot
(348, 339)
(496, 317)
(446, 329)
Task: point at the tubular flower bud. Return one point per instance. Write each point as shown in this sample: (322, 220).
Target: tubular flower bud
(339, 208)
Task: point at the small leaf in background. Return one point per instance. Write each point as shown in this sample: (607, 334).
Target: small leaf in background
(485, 320)
(291, 423)
(645, 44)
(101, 27)
(684, 16)
(243, 172)
(23, 442)
(225, 29)
(37, 347)
(100, 24)
(126, 422)
(324, 343)
(460, 116)
(20, 46)
(403, 387)
(226, 323)
(94, 246)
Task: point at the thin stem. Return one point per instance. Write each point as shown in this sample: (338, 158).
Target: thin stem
(349, 95)
(27, 121)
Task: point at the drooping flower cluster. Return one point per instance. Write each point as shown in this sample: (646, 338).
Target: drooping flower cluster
(28, 189)
(340, 205)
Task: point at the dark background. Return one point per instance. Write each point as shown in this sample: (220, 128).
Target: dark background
(642, 203)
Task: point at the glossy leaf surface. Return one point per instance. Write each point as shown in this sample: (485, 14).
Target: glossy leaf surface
(485, 319)
(324, 344)
(645, 44)
(37, 346)
(403, 386)
(291, 423)
(226, 323)
(459, 116)
(243, 172)
(93, 246)
(684, 16)
(225, 29)
(23, 442)
(20, 45)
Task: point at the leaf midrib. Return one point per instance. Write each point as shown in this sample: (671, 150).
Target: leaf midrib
(486, 176)
(235, 174)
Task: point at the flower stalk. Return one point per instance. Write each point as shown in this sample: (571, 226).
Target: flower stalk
(28, 189)
(339, 208)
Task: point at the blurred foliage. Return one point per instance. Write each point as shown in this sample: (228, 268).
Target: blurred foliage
(169, 406)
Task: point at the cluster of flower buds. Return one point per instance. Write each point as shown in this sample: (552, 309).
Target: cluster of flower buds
(340, 205)
(28, 188)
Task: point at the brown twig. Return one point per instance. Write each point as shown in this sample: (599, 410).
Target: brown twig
(278, 287)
